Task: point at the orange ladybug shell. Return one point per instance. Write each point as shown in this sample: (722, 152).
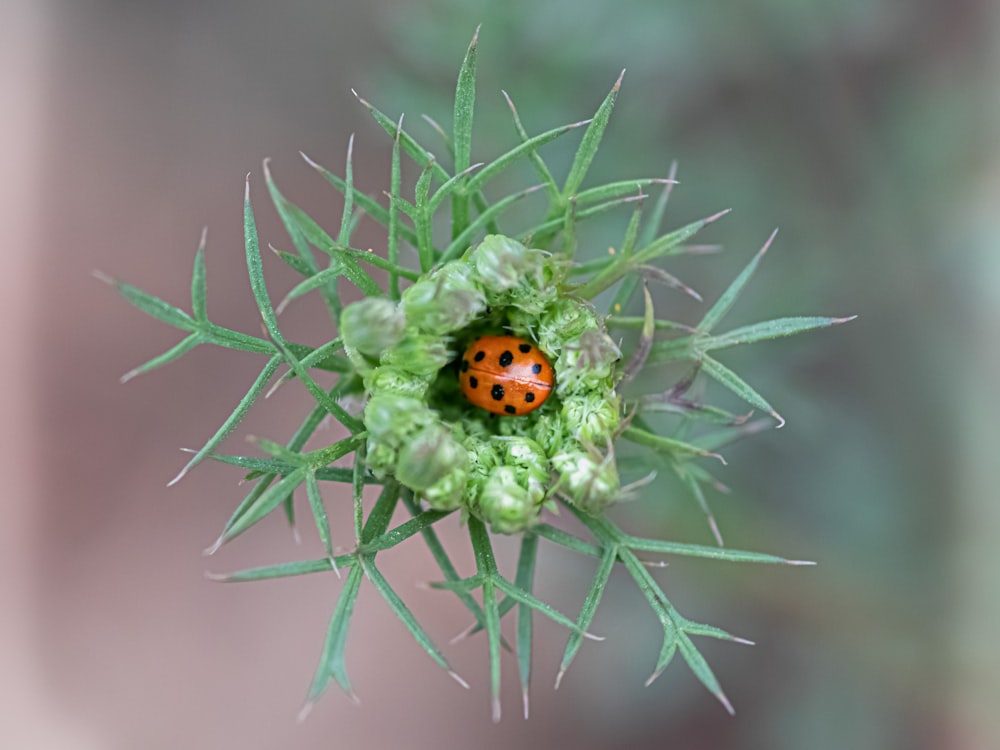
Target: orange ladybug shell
(506, 375)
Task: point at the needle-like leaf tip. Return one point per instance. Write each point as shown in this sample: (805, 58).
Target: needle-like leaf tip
(209, 551)
(769, 241)
(305, 711)
(458, 678)
(313, 164)
(434, 124)
(717, 216)
(715, 531)
(725, 703)
(462, 635)
(180, 475)
(364, 102)
(277, 384)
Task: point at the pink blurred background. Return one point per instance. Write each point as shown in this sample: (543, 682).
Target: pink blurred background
(127, 128)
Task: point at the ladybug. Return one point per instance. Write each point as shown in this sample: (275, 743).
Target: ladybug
(506, 375)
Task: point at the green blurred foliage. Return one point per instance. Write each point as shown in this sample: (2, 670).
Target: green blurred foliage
(858, 127)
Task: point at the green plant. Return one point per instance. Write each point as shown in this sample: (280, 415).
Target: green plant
(433, 453)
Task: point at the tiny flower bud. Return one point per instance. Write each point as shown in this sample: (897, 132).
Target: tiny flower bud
(483, 458)
(538, 286)
(587, 364)
(381, 458)
(446, 300)
(419, 353)
(396, 381)
(564, 320)
(428, 457)
(551, 433)
(393, 419)
(593, 418)
(526, 455)
(372, 325)
(499, 263)
(505, 505)
(591, 484)
(449, 491)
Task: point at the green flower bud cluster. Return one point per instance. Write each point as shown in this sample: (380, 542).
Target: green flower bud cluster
(450, 452)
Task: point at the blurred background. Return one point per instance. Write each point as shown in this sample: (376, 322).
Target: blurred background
(868, 131)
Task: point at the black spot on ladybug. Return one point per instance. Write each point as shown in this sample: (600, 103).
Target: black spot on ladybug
(529, 397)
(525, 348)
(510, 409)
(506, 358)
(479, 356)
(465, 365)
(473, 382)
(536, 369)
(497, 392)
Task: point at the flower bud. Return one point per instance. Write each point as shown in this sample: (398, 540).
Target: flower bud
(552, 434)
(505, 505)
(499, 263)
(370, 326)
(393, 419)
(527, 456)
(428, 457)
(587, 364)
(483, 459)
(394, 380)
(564, 320)
(591, 484)
(538, 286)
(380, 457)
(593, 418)
(418, 353)
(448, 492)
(445, 301)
